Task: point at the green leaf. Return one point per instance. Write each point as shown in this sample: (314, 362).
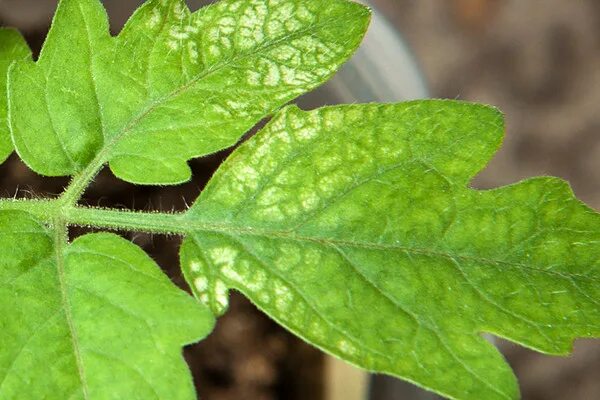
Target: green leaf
(173, 85)
(12, 48)
(95, 320)
(355, 228)
(54, 112)
(352, 226)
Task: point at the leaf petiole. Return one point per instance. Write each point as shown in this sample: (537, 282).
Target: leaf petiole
(49, 211)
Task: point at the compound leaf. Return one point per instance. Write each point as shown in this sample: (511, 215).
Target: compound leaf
(12, 48)
(95, 320)
(174, 84)
(352, 226)
(355, 228)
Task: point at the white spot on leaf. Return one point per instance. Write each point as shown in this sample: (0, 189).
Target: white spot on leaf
(249, 177)
(179, 10)
(196, 266)
(221, 294)
(257, 282)
(193, 52)
(154, 20)
(230, 273)
(264, 297)
(201, 284)
(273, 77)
(173, 44)
(346, 347)
(223, 255)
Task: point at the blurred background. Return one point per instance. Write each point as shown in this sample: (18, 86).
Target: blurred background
(538, 61)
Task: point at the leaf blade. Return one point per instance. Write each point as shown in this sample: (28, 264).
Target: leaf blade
(55, 117)
(197, 82)
(114, 340)
(12, 48)
(218, 83)
(359, 219)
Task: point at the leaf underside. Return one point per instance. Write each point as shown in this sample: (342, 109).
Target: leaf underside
(352, 226)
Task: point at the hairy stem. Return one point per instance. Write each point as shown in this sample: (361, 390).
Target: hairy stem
(44, 210)
(81, 181)
(49, 211)
(150, 222)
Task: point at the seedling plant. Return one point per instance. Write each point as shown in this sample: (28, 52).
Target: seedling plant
(353, 226)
